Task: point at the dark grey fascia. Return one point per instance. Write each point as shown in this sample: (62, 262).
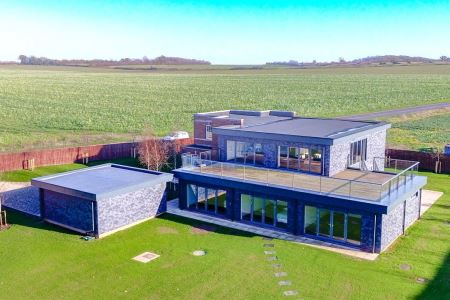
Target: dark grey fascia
(338, 139)
(161, 177)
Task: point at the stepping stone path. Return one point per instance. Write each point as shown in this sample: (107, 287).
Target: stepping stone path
(421, 280)
(290, 293)
(279, 274)
(405, 267)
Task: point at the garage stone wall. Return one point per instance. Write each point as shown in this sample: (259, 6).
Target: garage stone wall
(125, 209)
(67, 210)
(399, 219)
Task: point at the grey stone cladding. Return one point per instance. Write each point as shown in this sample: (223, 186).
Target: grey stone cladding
(399, 219)
(335, 157)
(128, 208)
(68, 210)
(339, 153)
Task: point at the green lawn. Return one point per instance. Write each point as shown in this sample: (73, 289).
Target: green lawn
(40, 261)
(57, 106)
(27, 175)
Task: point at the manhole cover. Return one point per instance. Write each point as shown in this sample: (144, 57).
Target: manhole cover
(199, 253)
(405, 267)
(146, 257)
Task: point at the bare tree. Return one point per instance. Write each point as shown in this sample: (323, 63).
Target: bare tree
(444, 58)
(153, 152)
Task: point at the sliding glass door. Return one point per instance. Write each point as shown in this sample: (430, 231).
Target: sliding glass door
(340, 226)
(206, 199)
(306, 159)
(265, 211)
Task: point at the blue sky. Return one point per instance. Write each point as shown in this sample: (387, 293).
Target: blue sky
(224, 32)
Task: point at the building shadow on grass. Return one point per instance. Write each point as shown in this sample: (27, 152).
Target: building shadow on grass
(19, 218)
(439, 286)
(205, 226)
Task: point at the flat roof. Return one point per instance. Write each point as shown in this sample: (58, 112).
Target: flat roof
(312, 129)
(101, 181)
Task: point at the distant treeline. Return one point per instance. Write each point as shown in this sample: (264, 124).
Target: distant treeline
(161, 60)
(382, 59)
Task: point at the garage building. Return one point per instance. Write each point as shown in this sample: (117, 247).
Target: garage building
(102, 200)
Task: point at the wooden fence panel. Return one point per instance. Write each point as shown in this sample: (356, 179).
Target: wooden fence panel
(18, 161)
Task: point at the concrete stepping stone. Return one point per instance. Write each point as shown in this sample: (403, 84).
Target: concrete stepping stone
(421, 280)
(277, 266)
(284, 282)
(405, 267)
(280, 274)
(290, 293)
(269, 252)
(272, 258)
(267, 238)
(269, 245)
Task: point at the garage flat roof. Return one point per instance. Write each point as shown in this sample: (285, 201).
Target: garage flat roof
(102, 181)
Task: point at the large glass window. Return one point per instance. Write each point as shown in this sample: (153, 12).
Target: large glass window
(211, 200)
(206, 199)
(358, 151)
(258, 209)
(191, 196)
(269, 212)
(221, 202)
(282, 214)
(208, 131)
(245, 153)
(307, 159)
(310, 220)
(259, 155)
(231, 150)
(337, 225)
(324, 222)
(246, 207)
(201, 202)
(263, 210)
(354, 229)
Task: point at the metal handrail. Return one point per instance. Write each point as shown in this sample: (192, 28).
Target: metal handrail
(205, 163)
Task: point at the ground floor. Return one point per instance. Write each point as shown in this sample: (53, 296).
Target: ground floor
(327, 219)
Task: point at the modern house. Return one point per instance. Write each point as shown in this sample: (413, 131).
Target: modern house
(101, 200)
(326, 179)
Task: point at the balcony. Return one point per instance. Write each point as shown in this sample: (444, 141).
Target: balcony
(389, 177)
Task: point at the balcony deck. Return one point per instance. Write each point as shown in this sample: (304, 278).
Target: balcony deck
(371, 186)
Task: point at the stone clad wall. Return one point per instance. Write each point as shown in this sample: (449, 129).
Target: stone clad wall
(339, 153)
(68, 210)
(392, 224)
(128, 208)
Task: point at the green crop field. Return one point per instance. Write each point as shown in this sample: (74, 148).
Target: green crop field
(53, 106)
(418, 131)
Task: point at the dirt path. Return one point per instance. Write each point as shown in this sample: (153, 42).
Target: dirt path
(400, 111)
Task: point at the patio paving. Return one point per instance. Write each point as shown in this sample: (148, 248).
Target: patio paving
(172, 208)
